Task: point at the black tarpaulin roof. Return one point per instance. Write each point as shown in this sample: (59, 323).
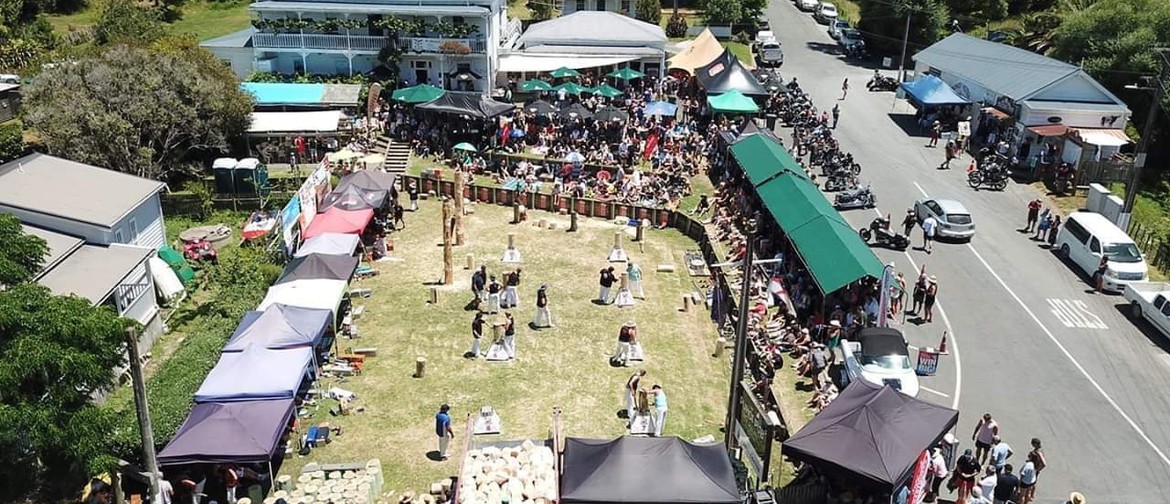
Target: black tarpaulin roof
(727, 73)
(468, 104)
(874, 433)
(368, 179)
(352, 197)
(319, 267)
(639, 470)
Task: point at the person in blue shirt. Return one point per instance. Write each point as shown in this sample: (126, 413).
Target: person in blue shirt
(443, 430)
(659, 409)
(1000, 452)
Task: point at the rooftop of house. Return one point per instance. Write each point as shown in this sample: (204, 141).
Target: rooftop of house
(75, 191)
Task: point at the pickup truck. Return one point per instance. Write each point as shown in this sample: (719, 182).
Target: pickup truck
(1150, 300)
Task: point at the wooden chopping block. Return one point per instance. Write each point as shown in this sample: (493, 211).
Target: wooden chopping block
(665, 268)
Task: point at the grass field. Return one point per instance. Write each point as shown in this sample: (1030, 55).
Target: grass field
(564, 367)
(201, 19)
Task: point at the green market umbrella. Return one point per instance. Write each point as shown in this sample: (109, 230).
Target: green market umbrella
(571, 88)
(626, 74)
(534, 85)
(606, 91)
(563, 72)
(733, 102)
(421, 93)
(464, 146)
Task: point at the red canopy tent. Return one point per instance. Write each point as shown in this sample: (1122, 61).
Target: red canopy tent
(336, 220)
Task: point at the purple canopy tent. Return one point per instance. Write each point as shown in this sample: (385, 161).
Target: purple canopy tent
(255, 373)
(238, 432)
(280, 327)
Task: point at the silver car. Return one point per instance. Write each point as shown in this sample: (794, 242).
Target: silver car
(954, 221)
(836, 26)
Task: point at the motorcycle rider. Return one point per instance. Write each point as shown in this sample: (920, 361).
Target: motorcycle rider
(908, 221)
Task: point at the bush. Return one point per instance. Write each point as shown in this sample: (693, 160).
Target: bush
(677, 26)
(649, 11)
(11, 142)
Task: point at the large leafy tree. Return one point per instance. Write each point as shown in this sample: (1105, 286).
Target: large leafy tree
(138, 110)
(56, 354)
(1115, 39)
(884, 22)
(723, 11)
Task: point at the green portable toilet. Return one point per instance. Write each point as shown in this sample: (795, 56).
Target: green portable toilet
(251, 177)
(224, 171)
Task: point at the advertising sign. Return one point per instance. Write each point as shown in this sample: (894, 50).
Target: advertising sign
(754, 432)
(290, 216)
(311, 192)
(927, 362)
(918, 479)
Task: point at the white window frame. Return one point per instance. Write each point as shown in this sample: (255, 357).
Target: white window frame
(133, 230)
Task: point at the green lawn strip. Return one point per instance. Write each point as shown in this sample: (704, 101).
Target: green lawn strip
(201, 19)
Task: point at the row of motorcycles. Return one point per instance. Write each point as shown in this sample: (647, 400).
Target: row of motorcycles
(815, 139)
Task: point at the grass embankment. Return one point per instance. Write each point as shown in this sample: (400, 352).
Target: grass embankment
(565, 367)
(201, 19)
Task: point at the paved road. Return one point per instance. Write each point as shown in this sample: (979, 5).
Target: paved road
(1038, 351)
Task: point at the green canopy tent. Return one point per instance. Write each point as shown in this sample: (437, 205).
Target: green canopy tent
(833, 252)
(531, 86)
(626, 74)
(762, 159)
(571, 88)
(793, 201)
(421, 93)
(564, 72)
(606, 91)
(732, 102)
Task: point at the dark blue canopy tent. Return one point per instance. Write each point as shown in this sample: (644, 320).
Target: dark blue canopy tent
(931, 91)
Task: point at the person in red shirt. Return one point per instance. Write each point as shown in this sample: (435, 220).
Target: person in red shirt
(1033, 214)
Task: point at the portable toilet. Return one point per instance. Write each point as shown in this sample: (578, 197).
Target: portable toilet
(251, 177)
(223, 169)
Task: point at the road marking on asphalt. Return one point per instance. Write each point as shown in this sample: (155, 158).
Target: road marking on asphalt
(1072, 359)
(1075, 313)
(952, 339)
(932, 391)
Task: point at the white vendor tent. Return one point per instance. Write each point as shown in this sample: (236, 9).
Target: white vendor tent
(325, 121)
(320, 294)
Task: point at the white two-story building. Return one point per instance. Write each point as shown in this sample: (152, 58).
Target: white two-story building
(449, 43)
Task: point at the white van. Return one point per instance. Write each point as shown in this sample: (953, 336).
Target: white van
(1085, 236)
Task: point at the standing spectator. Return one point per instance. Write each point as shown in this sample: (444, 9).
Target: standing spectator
(909, 221)
(1053, 231)
(632, 386)
(543, 316)
(478, 282)
(1042, 225)
(845, 88)
(231, 482)
(493, 294)
(659, 409)
(1028, 480)
(399, 222)
(938, 473)
(966, 470)
(412, 191)
(929, 225)
(511, 298)
(928, 299)
(984, 435)
(987, 484)
(1099, 275)
(897, 295)
(836, 114)
(606, 282)
(509, 335)
(635, 275)
(950, 149)
(1000, 452)
(165, 490)
(621, 356)
(935, 132)
(919, 291)
(1033, 214)
(443, 430)
(1007, 486)
(476, 335)
(1038, 454)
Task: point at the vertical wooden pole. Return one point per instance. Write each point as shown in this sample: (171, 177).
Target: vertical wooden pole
(142, 409)
(448, 231)
(460, 183)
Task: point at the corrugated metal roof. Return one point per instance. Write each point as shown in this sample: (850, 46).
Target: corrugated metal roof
(1009, 71)
(93, 272)
(79, 192)
(242, 38)
(599, 28)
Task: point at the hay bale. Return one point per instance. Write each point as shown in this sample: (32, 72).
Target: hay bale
(310, 489)
(318, 475)
(436, 488)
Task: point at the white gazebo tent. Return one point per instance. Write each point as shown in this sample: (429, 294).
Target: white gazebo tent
(588, 39)
(316, 293)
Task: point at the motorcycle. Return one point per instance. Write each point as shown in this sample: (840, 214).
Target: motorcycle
(1064, 177)
(857, 50)
(840, 181)
(879, 231)
(882, 83)
(861, 197)
(993, 175)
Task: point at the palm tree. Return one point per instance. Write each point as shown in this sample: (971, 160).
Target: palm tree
(1037, 29)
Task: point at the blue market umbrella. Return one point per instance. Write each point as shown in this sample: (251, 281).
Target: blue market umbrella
(660, 108)
(575, 158)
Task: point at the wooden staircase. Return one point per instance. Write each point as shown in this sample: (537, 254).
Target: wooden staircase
(397, 154)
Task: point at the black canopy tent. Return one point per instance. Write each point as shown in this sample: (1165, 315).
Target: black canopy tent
(319, 266)
(468, 104)
(726, 73)
(369, 180)
(873, 433)
(352, 197)
(646, 471)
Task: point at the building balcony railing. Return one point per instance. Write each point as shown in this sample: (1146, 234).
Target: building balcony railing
(319, 41)
(439, 45)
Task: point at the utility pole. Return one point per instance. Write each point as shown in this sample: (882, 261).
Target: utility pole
(1143, 146)
(905, 42)
(740, 356)
(144, 427)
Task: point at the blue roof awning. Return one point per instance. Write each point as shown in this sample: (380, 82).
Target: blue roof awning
(931, 91)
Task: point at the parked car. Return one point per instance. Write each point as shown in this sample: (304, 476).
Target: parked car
(849, 37)
(1151, 301)
(826, 13)
(769, 54)
(954, 221)
(836, 26)
(1086, 236)
(807, 5)
(764, 36)
(880, 355)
